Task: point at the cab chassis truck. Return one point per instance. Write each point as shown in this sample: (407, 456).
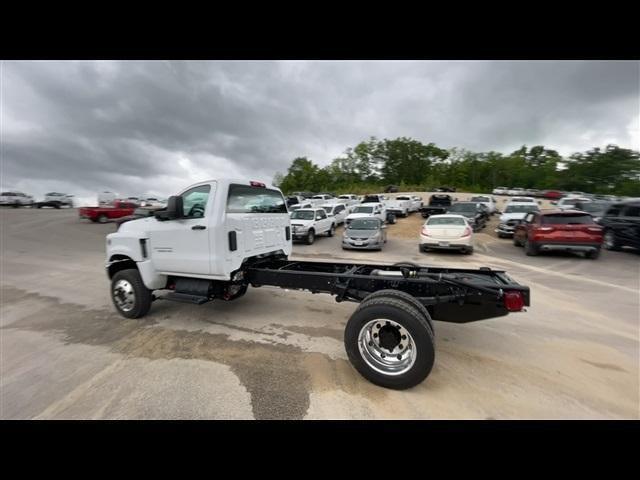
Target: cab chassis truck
(389, 339)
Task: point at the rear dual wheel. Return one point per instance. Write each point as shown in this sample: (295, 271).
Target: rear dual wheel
(389, 340)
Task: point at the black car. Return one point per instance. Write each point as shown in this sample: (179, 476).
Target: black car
(444, 189)
(621, 224)
(391, 189)
(438, 204)
(476, 213)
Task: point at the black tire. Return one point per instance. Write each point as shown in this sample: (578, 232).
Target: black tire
(516, 242)
(103, 219)
(401, 313)
(610, 241)
(311, 236)
(332, 230)
(593, 255)
(39, 206)
(57, 206)
(400, 295)
(142, 295)
(501, 235)
(468, 251)
(238, 294)
(530, 248)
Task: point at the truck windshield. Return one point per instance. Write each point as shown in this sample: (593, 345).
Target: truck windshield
(328, 209)
(480, 199)
(247, 199)
(403, 198)
(364, 224)
(363, 210)
(303, 215)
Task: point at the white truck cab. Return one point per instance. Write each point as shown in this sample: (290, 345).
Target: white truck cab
(207, 231)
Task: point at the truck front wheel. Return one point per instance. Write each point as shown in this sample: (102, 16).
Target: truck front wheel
(130, 296)
(311, 236)
(390, 343)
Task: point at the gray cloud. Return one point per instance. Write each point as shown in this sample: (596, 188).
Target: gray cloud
(136, 127)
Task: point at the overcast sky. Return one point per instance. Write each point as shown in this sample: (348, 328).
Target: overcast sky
(155, 127)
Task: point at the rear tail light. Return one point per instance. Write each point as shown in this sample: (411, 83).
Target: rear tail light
(467, 232)
(545, 229)
(513, 300)
(595, 229)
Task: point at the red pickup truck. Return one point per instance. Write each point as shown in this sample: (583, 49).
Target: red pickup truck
(104, 214)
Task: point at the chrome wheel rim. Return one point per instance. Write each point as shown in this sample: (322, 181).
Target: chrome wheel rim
(124, 295)
(387, 347)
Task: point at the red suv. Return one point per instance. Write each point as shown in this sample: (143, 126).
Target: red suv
(566, 230)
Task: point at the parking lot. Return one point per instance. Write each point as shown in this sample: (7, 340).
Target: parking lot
(278, 354)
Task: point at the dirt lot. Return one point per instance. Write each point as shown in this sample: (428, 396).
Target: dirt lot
(279, 354)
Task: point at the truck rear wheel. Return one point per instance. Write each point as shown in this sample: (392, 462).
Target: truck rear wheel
(130, 296)
(102, 219)
(332, 230)
(390, 343)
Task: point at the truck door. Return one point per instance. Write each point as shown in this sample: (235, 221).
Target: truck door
(322, 221)
(182, 245)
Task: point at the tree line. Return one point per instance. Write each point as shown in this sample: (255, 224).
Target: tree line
(414, 166)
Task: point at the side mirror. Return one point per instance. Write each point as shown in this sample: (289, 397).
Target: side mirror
(173, 211)
(383, 226)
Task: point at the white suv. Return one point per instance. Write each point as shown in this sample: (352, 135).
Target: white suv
(15, 199)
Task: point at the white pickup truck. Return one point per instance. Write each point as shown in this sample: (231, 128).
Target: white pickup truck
(401, 206)
(307, 223)
(377, 210)
(217, 238)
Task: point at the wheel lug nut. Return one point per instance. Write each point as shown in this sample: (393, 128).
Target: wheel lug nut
(404, 337)
(400, 346)
(377, 325)
(371, 344)
(382, 355)
(375, 335)
(399, 357)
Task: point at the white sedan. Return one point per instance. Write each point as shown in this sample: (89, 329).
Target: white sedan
(447, 232)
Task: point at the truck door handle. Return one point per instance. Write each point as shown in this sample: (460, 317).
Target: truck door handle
(198, 227)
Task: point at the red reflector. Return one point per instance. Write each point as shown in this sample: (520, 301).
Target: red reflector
(257, 184)
(514, 301)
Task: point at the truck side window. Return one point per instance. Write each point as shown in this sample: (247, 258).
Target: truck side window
(194, 201)
(320, 215)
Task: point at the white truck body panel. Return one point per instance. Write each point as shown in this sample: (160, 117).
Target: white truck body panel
(175, 248)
